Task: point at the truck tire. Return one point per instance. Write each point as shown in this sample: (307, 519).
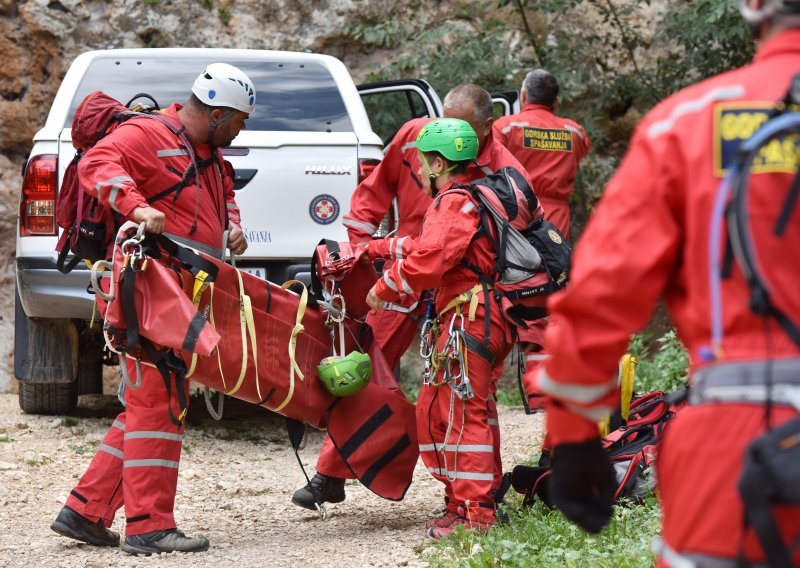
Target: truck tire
(48, 398)
(45, 363)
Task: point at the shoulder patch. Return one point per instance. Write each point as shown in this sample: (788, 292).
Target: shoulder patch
(549, 139)
(736, 122)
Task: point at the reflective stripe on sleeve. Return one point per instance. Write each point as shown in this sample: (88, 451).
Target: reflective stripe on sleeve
(695, 105)
(368, 228)
(389, 282)
(115, 186)
(531, 357)
(151, 463)
(170, 152)
(468, 207)
(403, 284)
(118, 424)
(573, 129)
(111, 450)
(153, 435)
(582, 394)
(408, 146)
(593, 413)
(511, 125)
(398, 248)
(493, 422)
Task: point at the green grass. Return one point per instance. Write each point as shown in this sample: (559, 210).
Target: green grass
(5, 439)
(542, 537)
(70, 421)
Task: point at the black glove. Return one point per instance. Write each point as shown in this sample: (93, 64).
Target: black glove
(582, 484)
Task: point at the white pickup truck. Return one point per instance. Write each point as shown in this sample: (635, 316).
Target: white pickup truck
(305, 149)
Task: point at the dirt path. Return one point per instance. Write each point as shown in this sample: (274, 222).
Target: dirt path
(236, 480)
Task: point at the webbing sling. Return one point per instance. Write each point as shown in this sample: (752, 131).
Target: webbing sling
(248, 329)
(294, 368)
(157, 356)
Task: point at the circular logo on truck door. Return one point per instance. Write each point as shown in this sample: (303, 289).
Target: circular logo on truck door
(324, 209)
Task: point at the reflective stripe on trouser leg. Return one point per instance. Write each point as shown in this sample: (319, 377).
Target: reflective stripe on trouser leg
(99, 494)
(466, 460)
(152, 453)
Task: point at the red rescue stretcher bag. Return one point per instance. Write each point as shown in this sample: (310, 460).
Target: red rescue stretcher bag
(631, 450)
(246, 337)
(338, 268)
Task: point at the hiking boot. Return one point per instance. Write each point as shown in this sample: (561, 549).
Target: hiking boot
(171, 540)
(444, 521)
(326, 489)
(460, 519)
(71, 524)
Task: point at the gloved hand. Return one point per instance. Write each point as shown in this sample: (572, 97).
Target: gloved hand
(582, 484)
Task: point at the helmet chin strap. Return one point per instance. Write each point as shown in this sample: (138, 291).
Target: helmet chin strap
(432, 176)
(212, 124)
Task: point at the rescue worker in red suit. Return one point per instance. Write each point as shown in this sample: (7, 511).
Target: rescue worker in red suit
(396, 177)
(648, 238)
(456, 443)
(550, 148)
(137, 462)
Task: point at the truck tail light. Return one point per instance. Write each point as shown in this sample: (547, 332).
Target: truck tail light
(365, 167)
(37, 208)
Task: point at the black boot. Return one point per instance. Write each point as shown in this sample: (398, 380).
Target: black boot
(325, 489)
(171, 540)
(73, 525)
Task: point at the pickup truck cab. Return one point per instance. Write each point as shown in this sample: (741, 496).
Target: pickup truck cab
(306, 147)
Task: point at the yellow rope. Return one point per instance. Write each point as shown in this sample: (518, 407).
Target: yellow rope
(244, 307)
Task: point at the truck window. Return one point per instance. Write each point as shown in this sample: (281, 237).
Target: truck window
(289, 96)
(390, 110)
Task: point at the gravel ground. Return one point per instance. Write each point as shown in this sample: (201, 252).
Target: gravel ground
(236, 480)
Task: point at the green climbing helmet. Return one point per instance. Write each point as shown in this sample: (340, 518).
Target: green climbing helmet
(345, 376)
(452, 138)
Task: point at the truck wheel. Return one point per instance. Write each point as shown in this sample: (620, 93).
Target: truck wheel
(48, 398)
(45, 363)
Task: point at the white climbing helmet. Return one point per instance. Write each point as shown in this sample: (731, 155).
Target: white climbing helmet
(223, 85)
(767, 9)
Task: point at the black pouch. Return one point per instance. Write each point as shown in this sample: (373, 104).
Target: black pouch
(91, 241)
(771, 476)
(554, 249)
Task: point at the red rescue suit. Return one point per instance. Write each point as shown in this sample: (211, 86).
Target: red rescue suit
(396, 177)
(137, 463)
(650, 238)
(457, 444)
(550, 148)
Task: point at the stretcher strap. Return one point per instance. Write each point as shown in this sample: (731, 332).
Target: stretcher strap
(294, 368)
(470, 296)
(200, 285)
(248, 325)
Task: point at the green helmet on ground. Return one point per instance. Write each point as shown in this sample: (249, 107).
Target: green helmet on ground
(345, 376)
(452, 138)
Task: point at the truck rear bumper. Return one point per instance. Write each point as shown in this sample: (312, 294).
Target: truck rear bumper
(46, 293)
